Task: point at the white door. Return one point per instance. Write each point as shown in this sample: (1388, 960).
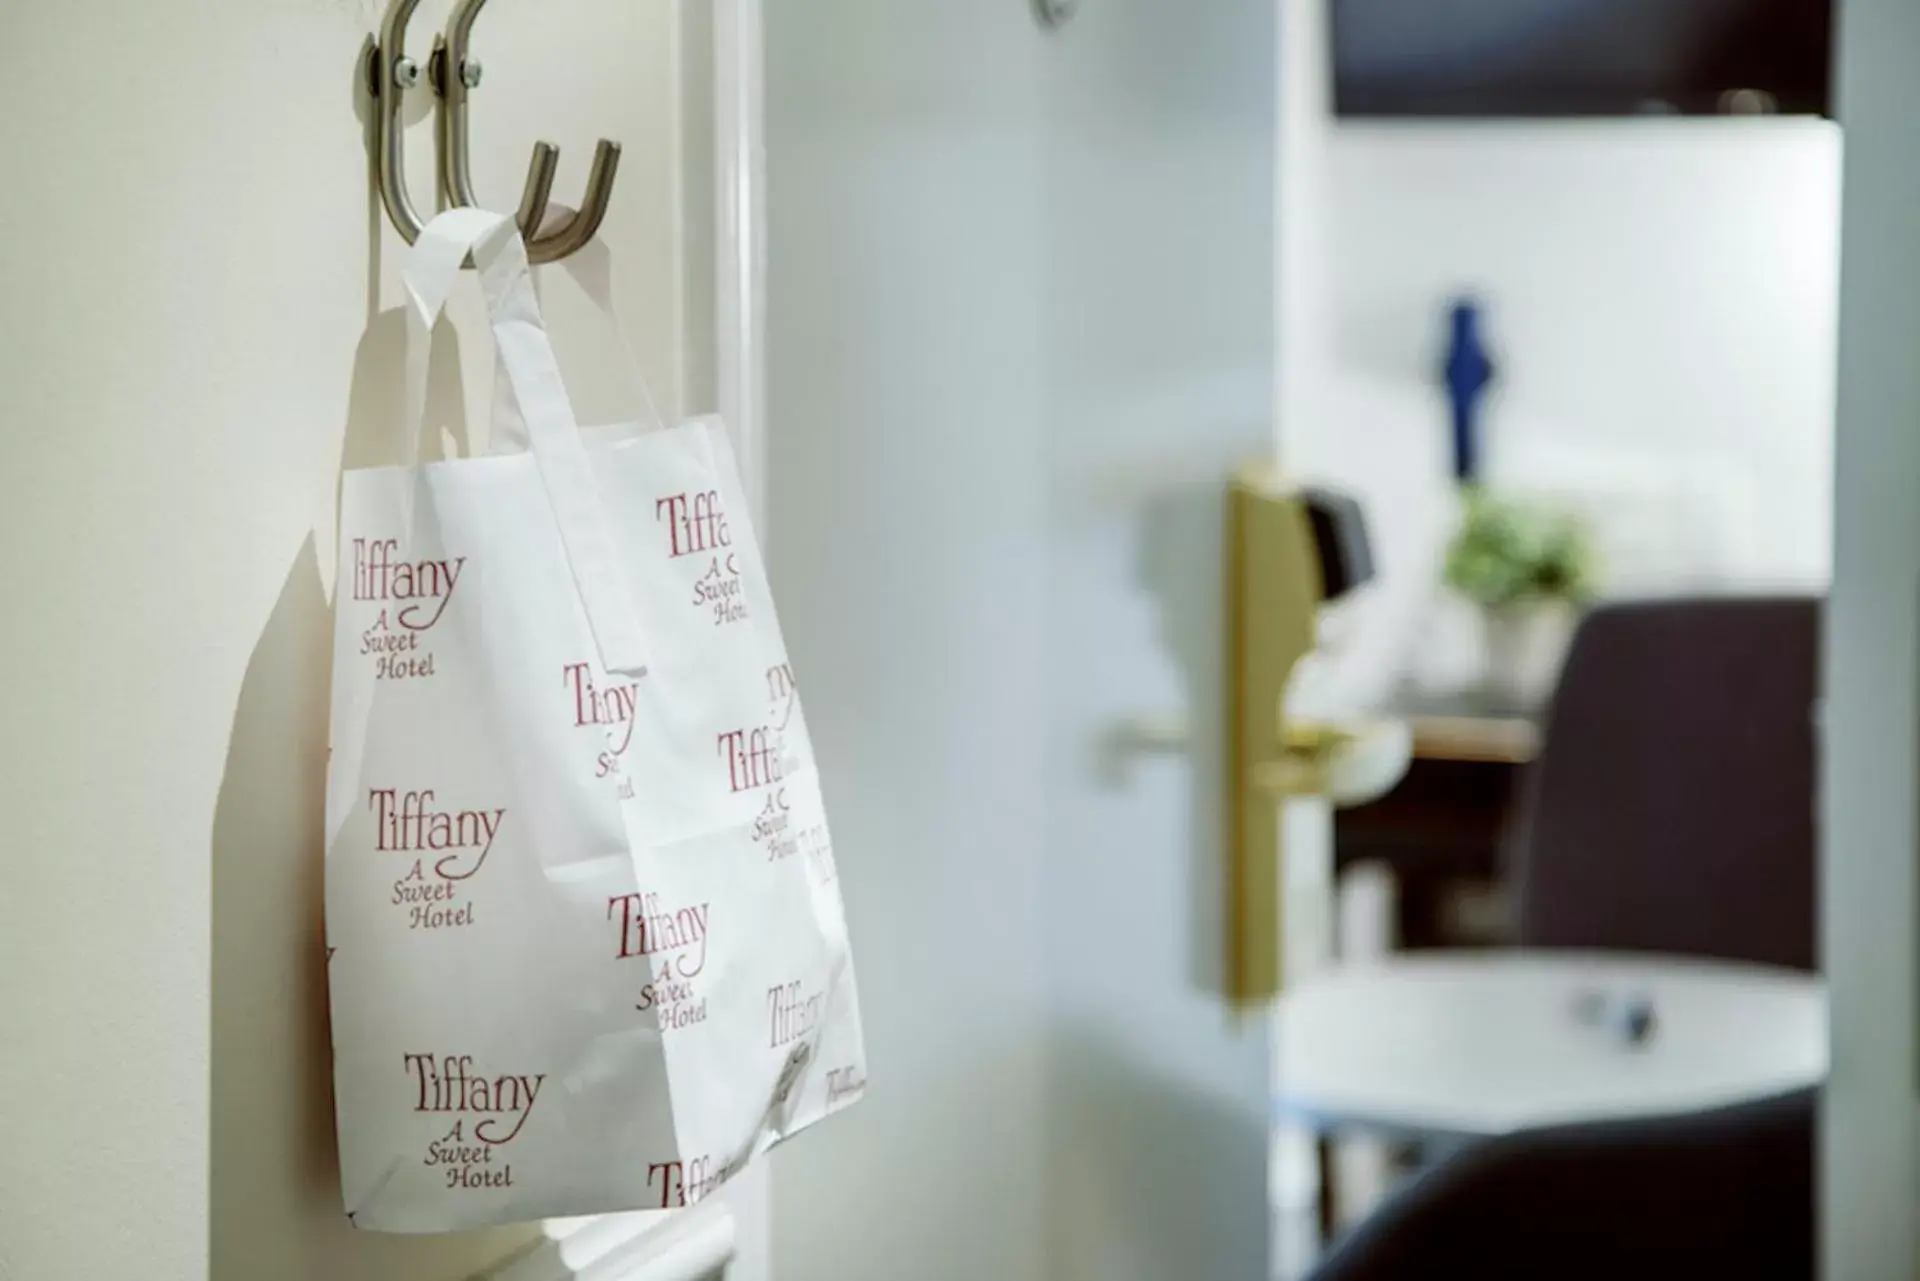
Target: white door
(198, 313)
(1160, 264)
(1022, 329)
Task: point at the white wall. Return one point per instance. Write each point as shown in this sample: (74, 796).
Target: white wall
(1870, 896)
(196, 325)
(1661, 299)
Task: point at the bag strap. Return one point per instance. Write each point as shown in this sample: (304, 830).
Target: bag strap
(433, 270)
(592, 269)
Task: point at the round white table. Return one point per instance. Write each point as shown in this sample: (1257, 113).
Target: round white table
(1481, 1043)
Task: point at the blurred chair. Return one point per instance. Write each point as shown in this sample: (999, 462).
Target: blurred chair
(1728, 1193)
(1672, 807)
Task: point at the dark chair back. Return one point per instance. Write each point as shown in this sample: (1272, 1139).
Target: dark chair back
(1728, 1193)
(1672, 808)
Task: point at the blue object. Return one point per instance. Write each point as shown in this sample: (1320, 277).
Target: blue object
(1469, 372)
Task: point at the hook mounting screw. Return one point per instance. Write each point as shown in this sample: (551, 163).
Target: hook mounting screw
(453, 72)
(459, 71)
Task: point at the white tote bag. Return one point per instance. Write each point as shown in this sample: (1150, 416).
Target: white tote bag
(586, 946)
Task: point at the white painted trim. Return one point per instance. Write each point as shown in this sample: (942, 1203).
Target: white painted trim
(1869, 1154)
(702, 1242)
(627, 1247)
(741, 287)
(739, 317)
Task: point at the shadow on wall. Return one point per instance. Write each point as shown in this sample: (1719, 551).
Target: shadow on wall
(274, 1201)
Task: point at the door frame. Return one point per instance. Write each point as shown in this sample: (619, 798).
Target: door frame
(740, 328)
(740, 289)
(1869, 1145)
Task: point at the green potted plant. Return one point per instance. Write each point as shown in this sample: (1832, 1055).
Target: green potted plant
(1530, 570)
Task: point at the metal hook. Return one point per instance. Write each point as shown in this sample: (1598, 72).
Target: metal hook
(456, 74)
(390, 73)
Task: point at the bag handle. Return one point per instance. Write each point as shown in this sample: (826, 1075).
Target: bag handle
(592, 270)
(526, 355)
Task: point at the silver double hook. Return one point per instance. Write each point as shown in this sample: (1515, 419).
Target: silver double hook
(454, 74)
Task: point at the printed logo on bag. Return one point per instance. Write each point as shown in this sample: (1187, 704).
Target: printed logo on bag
(773, 828)
(674, 942)
(413, 597)
(613, 711)
(782, 695)
(757, 759)
(449, 848)
(690, 1183)
(489, 1112)
(792, 1013)
(774, 831)
(696, 525)
(845, 1083)
(754, 758)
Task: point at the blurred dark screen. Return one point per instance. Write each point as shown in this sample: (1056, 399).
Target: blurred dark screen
(1577, 57)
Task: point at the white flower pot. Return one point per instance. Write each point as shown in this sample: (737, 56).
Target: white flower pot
(1525, 645)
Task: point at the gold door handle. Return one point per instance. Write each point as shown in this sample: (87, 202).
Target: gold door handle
(1273, 592)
